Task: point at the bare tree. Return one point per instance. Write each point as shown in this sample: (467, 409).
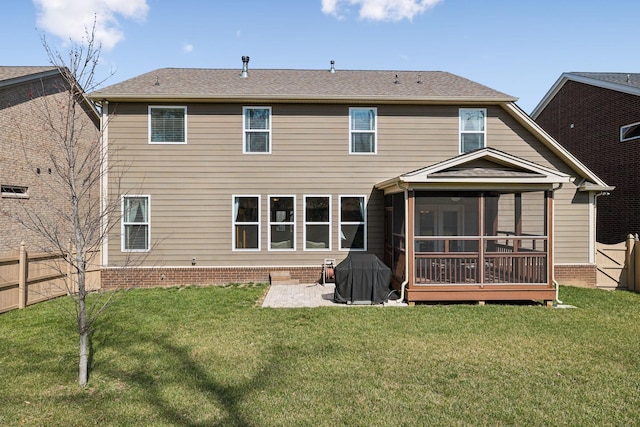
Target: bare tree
(81, 213)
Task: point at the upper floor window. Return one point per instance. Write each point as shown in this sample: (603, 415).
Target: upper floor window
(257, 130)
(167, 125)
(135, 223)
(362, 130)
(353, 216)
(282, 223)
(246, 223)
(473, 125)
(629, 132)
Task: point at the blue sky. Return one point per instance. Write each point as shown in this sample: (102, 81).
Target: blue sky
(519, 47)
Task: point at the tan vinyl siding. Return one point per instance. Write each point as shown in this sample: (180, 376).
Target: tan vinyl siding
(191, 185)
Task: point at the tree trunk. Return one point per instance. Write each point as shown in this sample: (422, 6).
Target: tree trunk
(83, 324)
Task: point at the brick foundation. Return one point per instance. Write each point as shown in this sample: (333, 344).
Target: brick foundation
(581, 275)
(183, 276)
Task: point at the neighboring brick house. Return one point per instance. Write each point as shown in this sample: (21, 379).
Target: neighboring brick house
(29, 98)
(596, 116)
(233, 175)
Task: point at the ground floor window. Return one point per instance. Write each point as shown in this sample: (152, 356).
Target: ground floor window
(246, 222)
(317, 223)
(135, 223)
(282, 223)
(353, 223)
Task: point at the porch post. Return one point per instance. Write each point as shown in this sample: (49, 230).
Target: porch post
(481, 243)
(550, 234)
(410, 254)
(517, 211)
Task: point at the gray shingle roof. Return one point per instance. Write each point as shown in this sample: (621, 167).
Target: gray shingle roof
(624, 79)
(185, 83)
(10, 73)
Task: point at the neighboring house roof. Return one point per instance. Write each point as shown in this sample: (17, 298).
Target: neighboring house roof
(620, 82)
(311, 85)
(14, 75)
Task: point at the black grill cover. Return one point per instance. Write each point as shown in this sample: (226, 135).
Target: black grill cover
(362, 279)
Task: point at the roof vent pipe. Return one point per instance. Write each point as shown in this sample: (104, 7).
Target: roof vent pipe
(245, 67)
(332, 70)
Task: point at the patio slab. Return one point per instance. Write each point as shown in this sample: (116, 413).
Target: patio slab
(310, 295)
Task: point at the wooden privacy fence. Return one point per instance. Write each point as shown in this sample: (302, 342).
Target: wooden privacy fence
(619, 265)
(27, 279)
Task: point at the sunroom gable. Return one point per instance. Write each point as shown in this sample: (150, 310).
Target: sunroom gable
(481, 167)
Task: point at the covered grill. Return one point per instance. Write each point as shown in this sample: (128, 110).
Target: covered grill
(362, 279)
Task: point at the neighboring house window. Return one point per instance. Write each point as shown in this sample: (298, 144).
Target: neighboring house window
(14, 192)
(473, 125)
(353, 225)
(282, 223)
(629, 132)
(167, 125)
(246, 223)
(362, 130)
(135, 223)
(257, 130)
(317, 223)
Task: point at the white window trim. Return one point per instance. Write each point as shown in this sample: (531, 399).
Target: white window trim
(461, 132)
(234, 223)
(304, 233)
(167, 107)
(626, 126)
(245, 130)
(14, 192)
(341, 223)
(295, 231)
(375, 131)
(123, 223)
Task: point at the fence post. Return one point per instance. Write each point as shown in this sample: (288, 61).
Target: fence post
(636, 279)
(23, 267)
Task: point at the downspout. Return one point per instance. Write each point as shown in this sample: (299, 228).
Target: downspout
(404, 283)
(553, 215)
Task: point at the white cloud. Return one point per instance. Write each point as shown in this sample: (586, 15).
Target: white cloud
(187, 48)
(380, 10)
(70, 19)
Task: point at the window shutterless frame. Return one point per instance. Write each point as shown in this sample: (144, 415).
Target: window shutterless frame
(167, 124)
(317, 223)
(630, 132)
(256, 130)
(136, 223)
(246, 226)
(472, 129)
(363, 133)
(282, 223)
(353, 223)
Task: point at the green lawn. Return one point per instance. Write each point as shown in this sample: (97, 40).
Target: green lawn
(211, 356)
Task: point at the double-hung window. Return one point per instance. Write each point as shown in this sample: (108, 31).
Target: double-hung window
(353, 225)
(135, 223)
(282, 223)
(473, 125)
(246, 223)
(317, 223)
(630, 132)
(257, 130)
(362, 130)
(167, 125)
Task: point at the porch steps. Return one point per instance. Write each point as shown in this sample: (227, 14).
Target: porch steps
(282, 278)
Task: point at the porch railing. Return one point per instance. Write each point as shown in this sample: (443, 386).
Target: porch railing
(521, 260)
